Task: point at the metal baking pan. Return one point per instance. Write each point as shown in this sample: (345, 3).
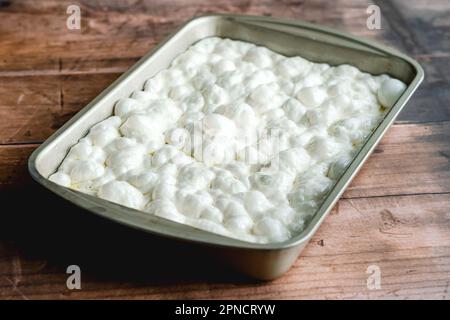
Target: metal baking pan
(315, 43)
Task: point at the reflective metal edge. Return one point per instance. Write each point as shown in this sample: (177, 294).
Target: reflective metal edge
(232, 249)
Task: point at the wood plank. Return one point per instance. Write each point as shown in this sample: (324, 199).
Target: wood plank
(411, 159)
(421, 29)
(407, 237)
(394, 215)
(13, 168)
(424, 25)
(92, 50)
(145, 23)
(429, 103)
(32, 107)
(141, 25)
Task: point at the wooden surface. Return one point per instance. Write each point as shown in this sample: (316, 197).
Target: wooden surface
(396, 213)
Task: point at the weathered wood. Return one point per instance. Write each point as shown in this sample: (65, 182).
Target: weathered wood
(411, 159)
(32, 108)
(141, 25)
(405, 236)
(394, 215)
(422, 26)
(13, 169)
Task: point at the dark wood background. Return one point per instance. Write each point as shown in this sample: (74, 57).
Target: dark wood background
(396, 213)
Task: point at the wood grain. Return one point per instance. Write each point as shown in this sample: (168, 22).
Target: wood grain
(395, 214)
(411, 159)
(32, 110)
(405, 236)
(138, 26)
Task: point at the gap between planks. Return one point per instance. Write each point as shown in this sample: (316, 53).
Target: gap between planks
(36, 143)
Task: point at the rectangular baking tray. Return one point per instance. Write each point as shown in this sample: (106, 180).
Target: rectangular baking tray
(291, 38)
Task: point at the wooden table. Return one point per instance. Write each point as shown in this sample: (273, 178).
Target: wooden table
(395, 215)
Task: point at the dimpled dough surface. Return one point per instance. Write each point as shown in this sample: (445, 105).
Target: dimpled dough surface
(309, 119)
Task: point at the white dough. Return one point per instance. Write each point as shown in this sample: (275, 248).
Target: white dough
(390, 91)
(232, 138)
(122, 193)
